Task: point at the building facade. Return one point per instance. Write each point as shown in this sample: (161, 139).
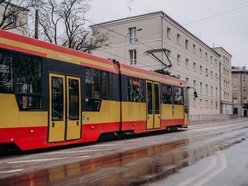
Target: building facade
(16, 18)
(240, 91)
(225, 78)
(192, 60)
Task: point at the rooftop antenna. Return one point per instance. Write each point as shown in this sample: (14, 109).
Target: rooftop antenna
(130, 6)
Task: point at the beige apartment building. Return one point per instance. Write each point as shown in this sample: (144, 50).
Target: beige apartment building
(240, 91)
(192, 60)
(18, 20)
(226, 104)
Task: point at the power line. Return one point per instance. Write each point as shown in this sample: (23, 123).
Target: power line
(215, 15)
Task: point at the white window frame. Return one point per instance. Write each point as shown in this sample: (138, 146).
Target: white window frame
(132, 35)
(133, 57)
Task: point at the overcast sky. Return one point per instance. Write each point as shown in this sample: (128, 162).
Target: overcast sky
(226, 26)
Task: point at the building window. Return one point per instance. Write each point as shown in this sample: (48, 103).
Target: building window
(168, 33)
(194, 67)
(178, 39)
(200, 69)
(187, 63)
(133, 57)
(187, 81)
(193, 48)
(194, 83)
(132, 35)
(206, 56)
(206, 72)
(211, 59)
(244, 79)
(169, 53)
(212, 91)
(200, 52)
(235, 110)
(186, 44)
(12, 21)
(206, 89)
(200, 87)
(178, 59)
(212, 74)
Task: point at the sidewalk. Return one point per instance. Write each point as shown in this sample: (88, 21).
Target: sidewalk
(218, 121)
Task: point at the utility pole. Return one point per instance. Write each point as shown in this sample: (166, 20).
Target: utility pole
(36, 30)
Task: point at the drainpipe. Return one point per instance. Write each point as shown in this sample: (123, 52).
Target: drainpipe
(162, 35)
(241, 95)
(220, 79)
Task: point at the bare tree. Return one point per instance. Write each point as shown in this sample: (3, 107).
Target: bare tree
(63, 22)
(13, 14)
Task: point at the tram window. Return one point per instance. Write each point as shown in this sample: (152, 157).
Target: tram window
(166, 94)
(157, 104)
(178, 95)
(97, 88)
(57, 99)
(149, 98)
(73, 99)
(29, 102)
(135, 90)
(105, 85)
(92, 104)
(27, 70)
(6, 72)
(25, 73)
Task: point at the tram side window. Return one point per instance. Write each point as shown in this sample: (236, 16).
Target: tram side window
(135, 90)
(6, 72)
(105, 84)
(178, 95)
(166, 94)
(97, 88)
(21, 74)
(27, 70)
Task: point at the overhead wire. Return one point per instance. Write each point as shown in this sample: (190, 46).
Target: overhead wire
(196, 21)
(142, 43)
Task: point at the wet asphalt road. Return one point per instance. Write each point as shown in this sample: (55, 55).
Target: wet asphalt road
(151, 159)
(228, 167)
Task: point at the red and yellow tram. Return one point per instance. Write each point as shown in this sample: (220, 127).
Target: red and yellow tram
(53, 96)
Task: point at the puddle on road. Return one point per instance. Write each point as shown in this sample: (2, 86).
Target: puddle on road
(134, 167)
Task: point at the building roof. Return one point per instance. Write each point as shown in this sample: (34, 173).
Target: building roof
(119, 21)
(222, 49)
(239, 69)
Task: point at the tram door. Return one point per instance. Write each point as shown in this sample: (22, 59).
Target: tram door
(152, 105)
(65, 108)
